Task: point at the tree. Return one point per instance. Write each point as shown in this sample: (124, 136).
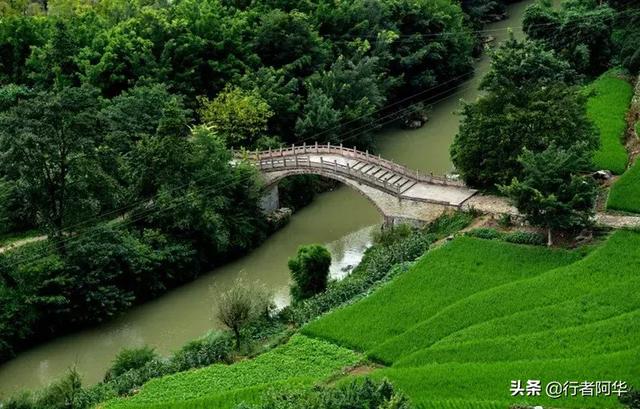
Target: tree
(49, 144)
(527, 104)
(17, 36)
(241, 304)
(289, 39)
(310, 271)
(351, 91)
(54, 64)
(218, 211)
(420, 55)
(580, 31)
(239, 116)
(280, 92)
(552, 193)
(319, 117)
(144, 111)
(121, 57)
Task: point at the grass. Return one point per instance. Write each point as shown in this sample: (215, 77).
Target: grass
(607, 109)
(625, 193)
(476, 314)
(302, 360)
(615, 261)
(615, 334)
(440, 279)
(486, 385)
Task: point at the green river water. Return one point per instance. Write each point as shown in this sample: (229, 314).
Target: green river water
(342, 220)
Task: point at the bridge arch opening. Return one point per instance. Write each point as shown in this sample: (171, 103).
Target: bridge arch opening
(271, 198)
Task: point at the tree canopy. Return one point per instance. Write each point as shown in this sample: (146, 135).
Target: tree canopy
(529, 103)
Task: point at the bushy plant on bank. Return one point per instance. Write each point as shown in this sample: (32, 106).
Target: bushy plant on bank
(517, 237)
(355, 394)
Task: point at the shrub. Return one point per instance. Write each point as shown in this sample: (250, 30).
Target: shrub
(631, 400)
(22, 401)
(240, 305)
(131, 380)
(450, 223)
(485, 233)
(215, 347)
(131, 358)
(63, 393)
(310, 271)
(386, 237)
(526, 237)
(505, 221)
(355, 394)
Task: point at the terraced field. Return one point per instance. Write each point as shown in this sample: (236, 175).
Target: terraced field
(442, 279)
(607, 109)
(474, 315)
(625, 193)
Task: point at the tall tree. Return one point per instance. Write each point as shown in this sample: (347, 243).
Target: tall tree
(239, 116)
(552, 191)
(580, 31)
(289, 39)
(527, 104)
(48, 144)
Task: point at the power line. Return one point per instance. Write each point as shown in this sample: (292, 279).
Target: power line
(483, 31)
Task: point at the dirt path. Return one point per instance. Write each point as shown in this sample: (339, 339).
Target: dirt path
(20, 243)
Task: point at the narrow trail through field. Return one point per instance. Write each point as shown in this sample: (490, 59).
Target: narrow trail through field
(19, 243)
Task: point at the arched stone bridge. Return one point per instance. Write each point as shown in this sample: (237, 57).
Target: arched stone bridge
(400, 194)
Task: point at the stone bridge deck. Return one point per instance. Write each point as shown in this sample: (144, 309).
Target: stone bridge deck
(364, 168)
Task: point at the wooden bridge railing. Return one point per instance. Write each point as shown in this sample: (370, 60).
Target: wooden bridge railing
(352, 153)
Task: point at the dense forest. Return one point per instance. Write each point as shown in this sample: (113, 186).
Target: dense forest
(117, 118)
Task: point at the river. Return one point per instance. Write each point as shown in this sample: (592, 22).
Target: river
(342, 220)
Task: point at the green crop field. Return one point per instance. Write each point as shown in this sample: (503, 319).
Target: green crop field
(486, 385)
(301, 361)
(440, 279)
(625, 193)
(462, 324)
(607, 109)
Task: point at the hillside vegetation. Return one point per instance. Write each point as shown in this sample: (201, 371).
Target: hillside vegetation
(453, 331)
